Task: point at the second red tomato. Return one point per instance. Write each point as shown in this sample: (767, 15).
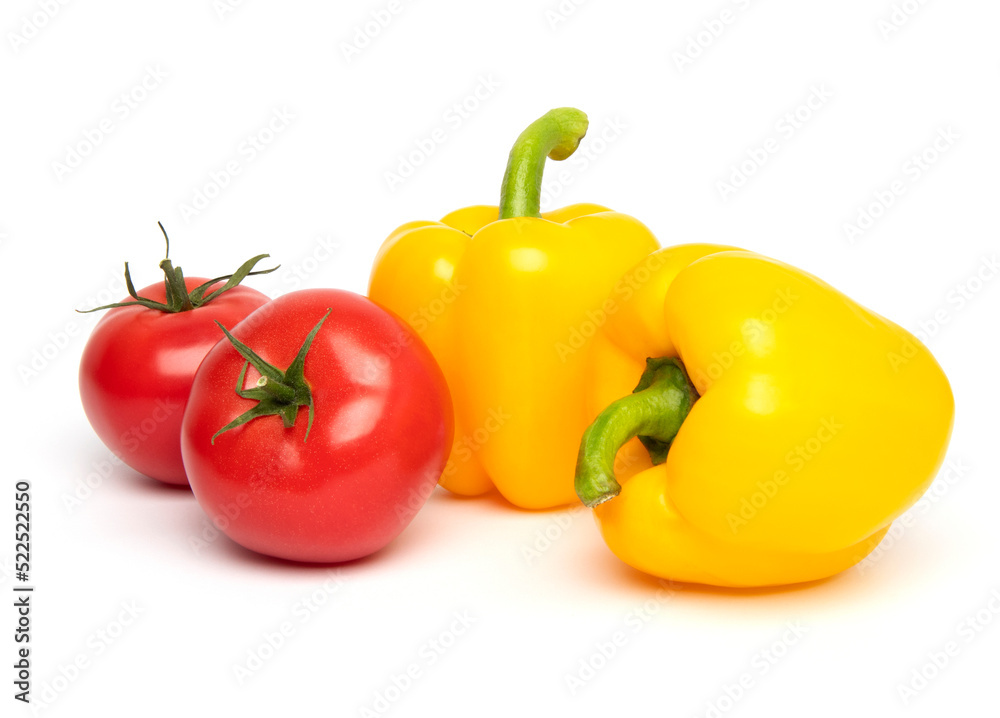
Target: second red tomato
(380, 433)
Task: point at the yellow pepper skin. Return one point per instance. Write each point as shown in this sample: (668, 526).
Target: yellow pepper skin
(496, 293)
(810, 423)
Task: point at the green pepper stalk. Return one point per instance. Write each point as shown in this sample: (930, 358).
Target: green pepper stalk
(555, 135)
(654, 412)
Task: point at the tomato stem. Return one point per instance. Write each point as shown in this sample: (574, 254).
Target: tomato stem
(178, 298)
(277, 393)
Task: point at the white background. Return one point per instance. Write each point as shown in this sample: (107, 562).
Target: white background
(670, 135)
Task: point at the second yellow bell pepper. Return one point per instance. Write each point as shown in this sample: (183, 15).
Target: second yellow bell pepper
(505, 298)
(788, 424)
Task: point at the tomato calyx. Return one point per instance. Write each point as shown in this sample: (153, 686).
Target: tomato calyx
(278, 393)
(179, 299)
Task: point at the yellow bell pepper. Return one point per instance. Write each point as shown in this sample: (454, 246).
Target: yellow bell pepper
(501, 295)
(788, 424)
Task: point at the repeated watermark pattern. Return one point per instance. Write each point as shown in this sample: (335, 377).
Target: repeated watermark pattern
(560, 13)
(225, 8)
(939, 659)
(579, 336)
(213, 528)
(761, 664)
(555, 529)
(132, 440)
(605, 651)
(898, 17)
(708, 34)
(953, 472)
(452, 120)
(31, 25)
(467, 445)
(247, 151)
(958, 297)
(428, 654)
(95, 135)
(296, 275)
(913, 169)
(270, 642)
(560, 176)
(58, 340)
(95, 645)
(365, 33)
(755, 331)
(786, 128)
(796, 459)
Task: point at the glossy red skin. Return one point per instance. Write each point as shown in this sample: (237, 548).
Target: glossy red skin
(137, 369)
(380, 438)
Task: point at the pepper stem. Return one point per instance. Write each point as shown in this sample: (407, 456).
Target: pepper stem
(654, 412)
(556, 134)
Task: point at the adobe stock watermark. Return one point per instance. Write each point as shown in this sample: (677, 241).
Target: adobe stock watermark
(469, 444)
(956, 299)
(940, 659)
(463, 450)
(271, 642)
(796, 459)
(755, 331)
(214, 527)
(913, 169)
(420, 320)
(545, 538)
(121, 109)
(224, 8)
(59, 339)
(95, 645)
(954, 471)
(560, 13)
(247, 151)
(32, 25)
(625, 288)
(452, 120)
(761, 663)
(711, 29)
(85, 487)
(787, 127)
(365, 33)
(607, 649)
(899, 15)
(565, 173)
(132, 439)
(296, 275)
(428, 654)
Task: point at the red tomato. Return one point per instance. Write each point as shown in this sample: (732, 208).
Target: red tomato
(380, 437)
(137, 370)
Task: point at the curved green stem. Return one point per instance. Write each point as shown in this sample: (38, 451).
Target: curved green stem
(277, 393)
(556, 134)
(654, 412)
(178, 298)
